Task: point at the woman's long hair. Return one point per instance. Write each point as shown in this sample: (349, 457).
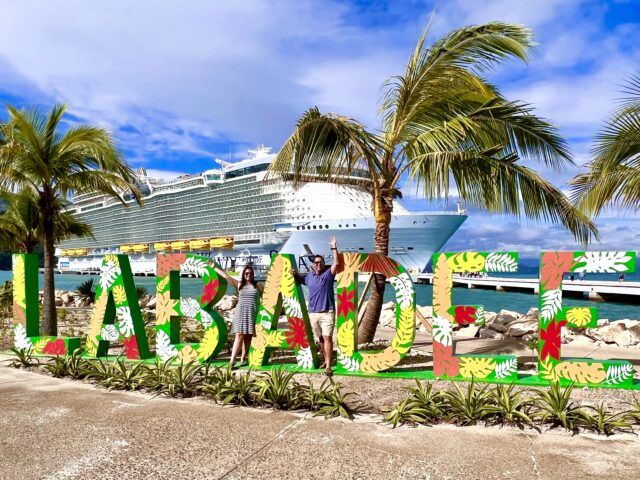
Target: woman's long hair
(243, 281)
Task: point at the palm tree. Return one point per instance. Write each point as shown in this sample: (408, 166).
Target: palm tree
(35, 154)
(614, 171)
(442, 122)
(21, 224)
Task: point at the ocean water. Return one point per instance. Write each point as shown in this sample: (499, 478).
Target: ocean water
(492, 300)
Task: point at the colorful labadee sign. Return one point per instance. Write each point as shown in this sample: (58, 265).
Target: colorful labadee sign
(116, 315)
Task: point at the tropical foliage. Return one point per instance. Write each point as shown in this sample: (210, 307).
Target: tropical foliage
(443, 125)
(613, 174)
(37, 156)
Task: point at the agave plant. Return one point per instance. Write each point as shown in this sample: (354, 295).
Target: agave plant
(605, 422)
(511, 406)
(634, 412)
(101, 372)
(23, 358)
(467, 407)
(555, 406)
(57, 366)
(76, 365)
(182, 380)
(127, 377)
(333, 403)
(239, 389)
(156, 376)
(310, 396)
(408, 411)
(279, 390)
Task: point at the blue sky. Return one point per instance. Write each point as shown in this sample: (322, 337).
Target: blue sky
(181, 83)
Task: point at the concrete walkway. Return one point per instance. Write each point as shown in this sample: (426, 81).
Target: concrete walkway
(59, 429)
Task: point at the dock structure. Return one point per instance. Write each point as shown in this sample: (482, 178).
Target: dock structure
(594, 290)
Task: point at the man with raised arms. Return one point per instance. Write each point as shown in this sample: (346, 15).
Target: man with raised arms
(322, 304)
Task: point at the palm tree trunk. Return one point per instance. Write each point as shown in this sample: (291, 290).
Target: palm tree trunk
(367, 329)
(49, 320)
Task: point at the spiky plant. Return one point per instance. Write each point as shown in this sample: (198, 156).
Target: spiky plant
(605, 422)
(555, 406)
(182, 380)
(101, 372)
(333, 403)
(279, 390)
(511, 406)
(467, 406)
(87, 289)
(76, 365)
(23, 358)
(155, 377)
(127, 377)
(239, 389)
(408, 411)
(57, 366)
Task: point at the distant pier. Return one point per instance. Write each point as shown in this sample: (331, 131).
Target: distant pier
(594, 290)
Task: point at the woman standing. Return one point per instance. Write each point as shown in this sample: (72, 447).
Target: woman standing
(244, 320)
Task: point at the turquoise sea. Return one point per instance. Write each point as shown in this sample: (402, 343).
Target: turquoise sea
(492, 300)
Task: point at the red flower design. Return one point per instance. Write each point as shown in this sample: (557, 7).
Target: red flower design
(297, 333)
(550, 337)
(444, 362)
(55, 347)
(345, 302)
(553, 266)
(131, 347)
(465, 315)
(209, 292)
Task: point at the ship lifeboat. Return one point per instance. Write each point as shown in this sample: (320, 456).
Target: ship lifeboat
(80, 252)
(162, 246)
(179, 245)
(221, 243)
(125, 249)
(141, 248)
(198, 245)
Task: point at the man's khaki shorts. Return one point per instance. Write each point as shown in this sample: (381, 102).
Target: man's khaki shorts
(323, 323)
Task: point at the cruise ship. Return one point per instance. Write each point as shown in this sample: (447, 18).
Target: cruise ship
(238, 214)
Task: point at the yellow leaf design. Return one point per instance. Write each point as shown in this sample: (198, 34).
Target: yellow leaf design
(275, 338)
(187, 354)
(377, 362)
(165, 306)
(547, 370)
(350, 265)
(119, 295)
(162, 284)
(272, 284)
(40, 344)
(287, 283)
(261, 339)
(19, 289)
(208, 344)
(478, 367)
(466, 262)
(405, 331)
(442, 283)
(582, 372)
(95, 323)
(110, 259)
(579, 316)
(255, 357)
(346, 337)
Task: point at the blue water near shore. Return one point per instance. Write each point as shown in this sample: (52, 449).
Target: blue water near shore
(492, 300)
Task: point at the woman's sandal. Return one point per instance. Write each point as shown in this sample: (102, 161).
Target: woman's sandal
(328, 372)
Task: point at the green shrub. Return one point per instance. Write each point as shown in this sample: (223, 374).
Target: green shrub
(511, 406)
(279, 390)
(237, 389)
(556, 407)
(467, 407)
(23, 358)
(333, 403)
(182, 380)
(607, 423)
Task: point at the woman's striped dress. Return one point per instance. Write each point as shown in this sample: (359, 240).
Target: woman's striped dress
(246, 310)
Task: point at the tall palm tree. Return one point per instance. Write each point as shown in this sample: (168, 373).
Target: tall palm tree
(35, 154)
(21, 223)
(614, 170)
(442, 122)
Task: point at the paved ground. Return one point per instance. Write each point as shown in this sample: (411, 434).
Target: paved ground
(57, 429)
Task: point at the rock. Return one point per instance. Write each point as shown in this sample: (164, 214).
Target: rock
(630, 323)
(58, 302)
(427, 312)
(144, 301)
(228, 302)
(608, 333)
(470, 331)
(501, 321)
(78, 302)
(489, 333)
(388, 318)
(518, 328)
(389, 306)
(151, 304)
(66, 298)
(581, 340)
(628, 337)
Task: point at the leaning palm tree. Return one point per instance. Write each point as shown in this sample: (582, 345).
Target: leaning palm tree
(442, 123)
(614, 171)
(21, 223)
(35, 154)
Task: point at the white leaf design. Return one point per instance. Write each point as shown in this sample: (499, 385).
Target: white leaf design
(164, 349)
(125, 322)
(194, 265)
(348, 363)
(500, 262)
(619, 373)
(404, 289)
(506, 368)
(603, 262)
(108, 275)
(20, 339)
(265, 319)
(551, 304)
(292, 307)
(480, 319)
(304, 358)
(442, 331)
(189, 307)
(205, 319)
(110, 333)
